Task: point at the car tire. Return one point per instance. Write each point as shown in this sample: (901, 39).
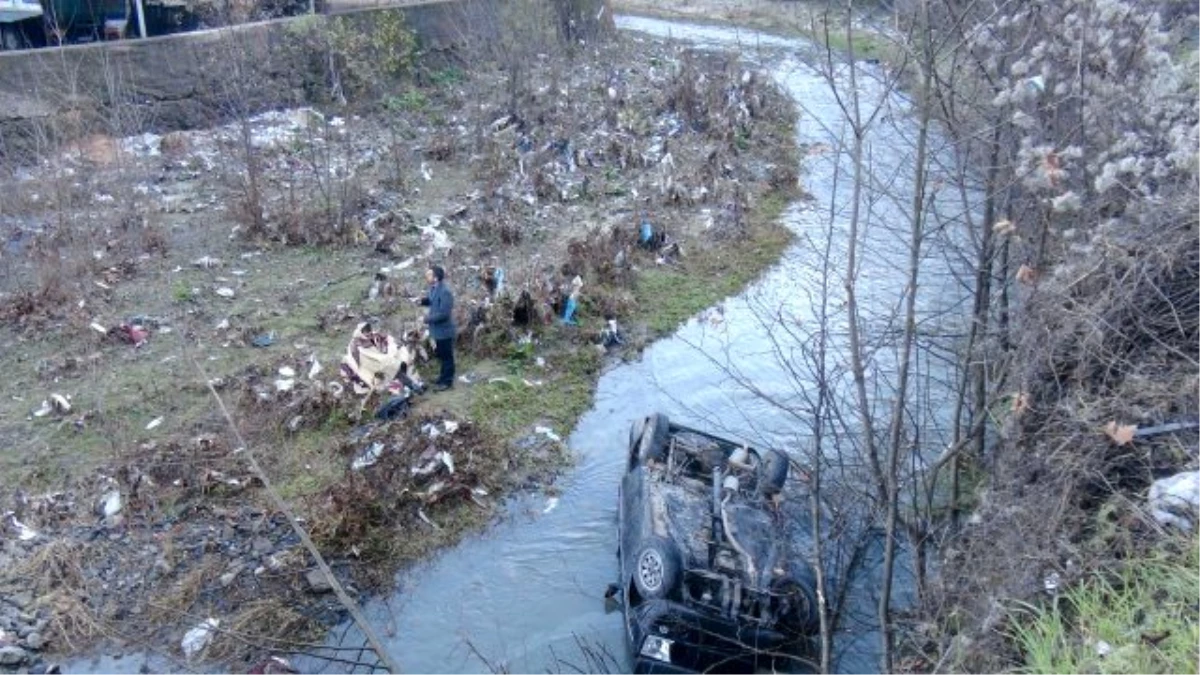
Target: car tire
(636, 429)
(772, 473)
(653, 444)
(799, 589)
(656, 569)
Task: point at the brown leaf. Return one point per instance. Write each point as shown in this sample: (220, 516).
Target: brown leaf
(1026, 274)
(1020, 403)
(1120, 434)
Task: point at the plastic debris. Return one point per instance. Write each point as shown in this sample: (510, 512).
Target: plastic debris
(196, 639)
(131, 333)
(24, 532)
(368, 457)
(110, 503)
(373, 359)
(225, 292)
(284, 384)
(154, 423)
(548, 433)
(450, 425)
(611, 335)
(99, 329)
(44, 409)
(61, 404)
(315, 368)
(287, 372)
(1174, 501)
(264, 340)
(207, 262)
(395, 407)
(568, 317)
(551, 504)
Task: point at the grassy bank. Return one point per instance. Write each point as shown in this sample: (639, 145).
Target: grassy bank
(1140, 617)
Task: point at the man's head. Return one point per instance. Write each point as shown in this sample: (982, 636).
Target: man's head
(435, 274)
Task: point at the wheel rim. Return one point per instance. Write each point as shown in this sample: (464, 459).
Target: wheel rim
(650, 570)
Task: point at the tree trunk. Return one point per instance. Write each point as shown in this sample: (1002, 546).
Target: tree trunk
(583, 19)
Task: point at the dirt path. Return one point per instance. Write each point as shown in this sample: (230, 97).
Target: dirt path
(129, 514)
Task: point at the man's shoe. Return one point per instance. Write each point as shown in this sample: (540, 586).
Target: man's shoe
(441, 386)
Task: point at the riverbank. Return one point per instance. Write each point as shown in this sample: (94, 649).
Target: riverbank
(134, 517)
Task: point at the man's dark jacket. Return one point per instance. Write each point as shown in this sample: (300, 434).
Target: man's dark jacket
(440, 302)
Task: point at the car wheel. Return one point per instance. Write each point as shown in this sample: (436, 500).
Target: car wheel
(656, 569)
(772, 473)
(653, 445)
(635, 434)
(798, 607)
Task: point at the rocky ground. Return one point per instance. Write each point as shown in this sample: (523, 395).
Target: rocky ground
(136, 272)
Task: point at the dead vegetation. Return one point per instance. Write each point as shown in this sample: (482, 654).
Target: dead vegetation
(260, 244)
(1106, 351)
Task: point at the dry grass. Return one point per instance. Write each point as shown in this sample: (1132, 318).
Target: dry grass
(55, 574)
(262, 624)
(1111, 336)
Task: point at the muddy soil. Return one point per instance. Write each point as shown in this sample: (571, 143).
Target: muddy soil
(136, 273)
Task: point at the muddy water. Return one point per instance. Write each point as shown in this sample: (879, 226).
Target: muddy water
(525, 594)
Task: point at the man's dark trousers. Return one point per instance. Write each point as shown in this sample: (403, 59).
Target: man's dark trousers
(444, 350)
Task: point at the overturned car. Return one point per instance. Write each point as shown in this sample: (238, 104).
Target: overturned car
(714, 545)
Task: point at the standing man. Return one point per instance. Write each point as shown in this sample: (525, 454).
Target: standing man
(440, 319)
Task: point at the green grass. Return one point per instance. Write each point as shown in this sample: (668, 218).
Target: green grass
(667, 297)
(510, 408)
(1146, 613)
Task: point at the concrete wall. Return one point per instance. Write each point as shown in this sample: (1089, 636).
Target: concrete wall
(194, 79)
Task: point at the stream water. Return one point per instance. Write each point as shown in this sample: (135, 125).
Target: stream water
(523, 595)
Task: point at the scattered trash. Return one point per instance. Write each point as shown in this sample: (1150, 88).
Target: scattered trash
(450, 425)
(207, 262)
(532, 383)
(1174, 501)
(62, 405)
(99, 329)
(287, 372)
(1103, 649)
(374, 359)
(1144, 432)
(1052, 582)
(263, 340)
(548, 433)
(225, 292)
(196, 639)
(284, 385)
(395, 407)
(110, 504)
(314, 368)
(611, 335)
(540, 361)
(154, 423)
(132, 334)
(551, 504)
(368, 457)
(44, 409)
(223, 324)
(24, 532)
